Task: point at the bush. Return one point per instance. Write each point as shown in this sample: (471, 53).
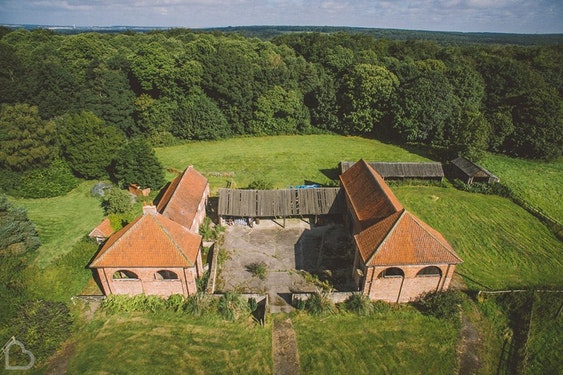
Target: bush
(360, 304)
(442, 305)
(258, 269)
(260, 185)
(233, 306)
(198, 304)
(117, 201)
(319, 304)
(53, 181)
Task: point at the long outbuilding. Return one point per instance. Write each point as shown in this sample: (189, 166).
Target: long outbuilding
(402, 170)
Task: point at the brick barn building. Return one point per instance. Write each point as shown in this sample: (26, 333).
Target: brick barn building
(397, 255)
(159, 253)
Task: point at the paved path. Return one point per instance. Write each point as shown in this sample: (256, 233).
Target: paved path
(284, 348)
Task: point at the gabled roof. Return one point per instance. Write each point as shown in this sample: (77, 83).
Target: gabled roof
(151, 240)
(182, 197)
(103, 229)
(402, 239)
(369, 195)
(402, 169)
(471, 169)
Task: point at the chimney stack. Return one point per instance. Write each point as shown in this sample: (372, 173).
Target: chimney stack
(149, 209)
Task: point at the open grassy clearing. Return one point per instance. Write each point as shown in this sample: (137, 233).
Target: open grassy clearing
(62, 221)
(538, 183)
(171, 343)
(502, 245)
(395, 342)
(281, 160)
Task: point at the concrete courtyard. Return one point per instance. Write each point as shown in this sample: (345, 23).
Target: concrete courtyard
(288, 253)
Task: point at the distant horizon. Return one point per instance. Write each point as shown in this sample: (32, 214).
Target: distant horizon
(462, 16)
(73, 26)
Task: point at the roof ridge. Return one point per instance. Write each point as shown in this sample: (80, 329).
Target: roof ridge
(384, 187)
(387, 235)
(170, 237)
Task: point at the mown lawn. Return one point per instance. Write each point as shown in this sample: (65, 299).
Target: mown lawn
(171, 344)
(502, 245)
(538, 183)
(62, 221)
(280, 160)
(395, 342)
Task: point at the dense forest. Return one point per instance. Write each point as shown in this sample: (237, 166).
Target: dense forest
(88, 105)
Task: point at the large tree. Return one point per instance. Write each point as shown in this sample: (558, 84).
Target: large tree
(26, 141)
(88, 144)
(17, 233)
(136, 163)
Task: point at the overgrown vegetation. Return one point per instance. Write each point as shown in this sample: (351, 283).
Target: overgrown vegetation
(258, 269)
(442, 305)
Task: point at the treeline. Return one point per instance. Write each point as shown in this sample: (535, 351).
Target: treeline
(80, 98)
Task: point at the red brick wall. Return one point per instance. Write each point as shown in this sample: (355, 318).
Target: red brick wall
(407, 288)
(146, 282)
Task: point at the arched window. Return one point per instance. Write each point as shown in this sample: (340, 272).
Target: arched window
(430, 271)
(125, 275)
(391, 272)
(165, 275)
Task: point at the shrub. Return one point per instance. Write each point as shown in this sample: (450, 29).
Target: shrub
(53, 181)
(319, 304)
(258, 269)
(442, 305)
(41, 326)
(198, 304)
(260, 185)
(232, 306)
(117, 201)
(252, 304)
(360, 304)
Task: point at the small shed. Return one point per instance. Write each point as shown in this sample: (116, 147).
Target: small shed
(102, 231)
(470, 172)
(403, 170)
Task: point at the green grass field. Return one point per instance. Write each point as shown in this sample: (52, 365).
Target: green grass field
(62, 221)
(539, 183)
(171, 344)
(502, 245)
(281, 160)
(395, 342)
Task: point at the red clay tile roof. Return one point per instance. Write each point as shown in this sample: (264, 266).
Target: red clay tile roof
(371, 198)
(104, 229)
(182, 197)
(401, 239)
(151, 240)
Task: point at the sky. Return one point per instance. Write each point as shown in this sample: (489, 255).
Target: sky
(507, 16)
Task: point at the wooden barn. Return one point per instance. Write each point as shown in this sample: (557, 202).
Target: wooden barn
(469, 172)
(152, 255)
(283, 203)
(397, 255)
(403, 170)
